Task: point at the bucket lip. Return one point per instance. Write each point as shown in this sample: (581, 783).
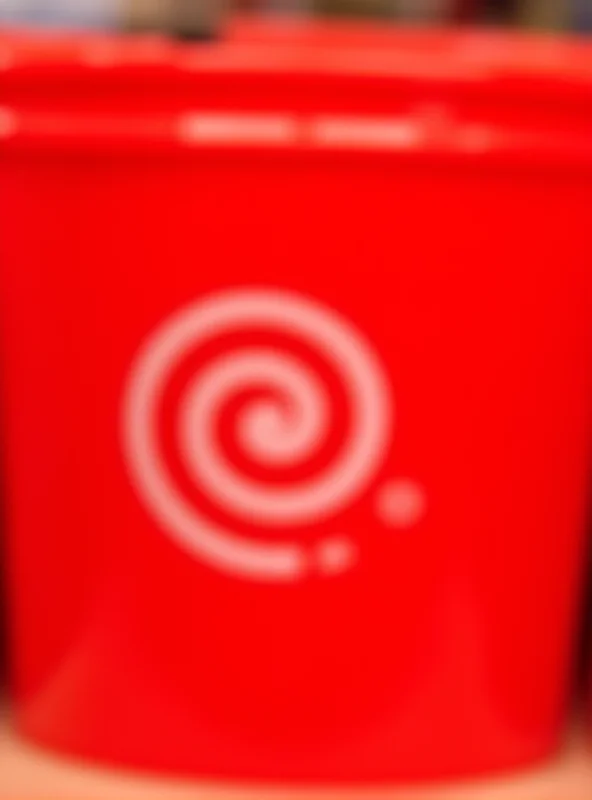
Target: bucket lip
(304, 48)
(275, 86)
(203, 132)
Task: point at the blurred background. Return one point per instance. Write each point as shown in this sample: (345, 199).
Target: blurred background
(193, 18)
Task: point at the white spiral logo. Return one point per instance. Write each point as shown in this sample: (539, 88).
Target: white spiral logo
(278, 426)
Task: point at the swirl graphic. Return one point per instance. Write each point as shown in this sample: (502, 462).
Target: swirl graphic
(277, 430)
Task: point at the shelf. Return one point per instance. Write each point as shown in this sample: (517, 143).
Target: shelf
(26, 773)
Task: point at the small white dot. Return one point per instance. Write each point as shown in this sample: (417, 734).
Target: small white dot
(401, 503)
(335, 556)
(8, 123)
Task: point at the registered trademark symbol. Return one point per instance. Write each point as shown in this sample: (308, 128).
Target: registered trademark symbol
(400, 503)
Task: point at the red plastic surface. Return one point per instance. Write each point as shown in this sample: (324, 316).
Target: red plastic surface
(415, 249)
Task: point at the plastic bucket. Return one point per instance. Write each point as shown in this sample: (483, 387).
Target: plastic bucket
(296, 378)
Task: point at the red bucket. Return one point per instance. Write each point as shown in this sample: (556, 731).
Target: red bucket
(297, 347)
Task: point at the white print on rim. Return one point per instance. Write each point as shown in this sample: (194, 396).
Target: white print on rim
(280, 429)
